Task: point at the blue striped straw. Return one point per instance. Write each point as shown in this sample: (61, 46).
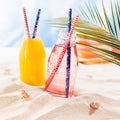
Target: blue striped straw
(55, 69)
(68, 56)
(36, 24)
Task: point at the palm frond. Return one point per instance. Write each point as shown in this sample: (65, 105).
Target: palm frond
(110, 23)
(103, 53)
(91, 11)
(102, 29)
(89, 31)
(107, 19)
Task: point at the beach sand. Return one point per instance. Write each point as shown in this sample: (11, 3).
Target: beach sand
(97, 84)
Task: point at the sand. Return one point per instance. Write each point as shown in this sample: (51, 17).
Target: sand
(99, 83)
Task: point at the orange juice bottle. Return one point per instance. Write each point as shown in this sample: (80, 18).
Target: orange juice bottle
(32, 62)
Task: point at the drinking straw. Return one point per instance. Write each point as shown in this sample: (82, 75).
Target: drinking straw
(68, 55)
(36, 23)
(26, 23)
(62, 53)
(69, 19)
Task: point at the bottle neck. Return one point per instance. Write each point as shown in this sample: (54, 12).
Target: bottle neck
(62, 37)
(33, 33)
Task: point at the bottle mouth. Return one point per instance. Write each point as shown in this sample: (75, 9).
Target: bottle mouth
(34, 33)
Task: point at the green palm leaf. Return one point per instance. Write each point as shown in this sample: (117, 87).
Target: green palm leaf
(104, 21)
(107, 19)
(103, 53)
(102, 29)
(89, 31)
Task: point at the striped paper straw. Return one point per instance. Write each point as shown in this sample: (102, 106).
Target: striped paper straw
(36, 24)
(62, 53)
(26, 23)
(68, 56)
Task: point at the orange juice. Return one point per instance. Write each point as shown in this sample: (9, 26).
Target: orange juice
(32, 62)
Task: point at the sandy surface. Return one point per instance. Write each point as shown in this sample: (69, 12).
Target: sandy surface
(99, 84)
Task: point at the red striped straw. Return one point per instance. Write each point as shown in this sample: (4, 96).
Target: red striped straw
(62, 53)
(26, 23)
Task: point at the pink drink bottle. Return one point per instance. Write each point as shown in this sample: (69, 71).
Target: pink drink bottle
(57, 86)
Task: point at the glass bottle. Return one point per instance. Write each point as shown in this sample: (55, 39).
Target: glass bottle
(32, 62)
(57, 86)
